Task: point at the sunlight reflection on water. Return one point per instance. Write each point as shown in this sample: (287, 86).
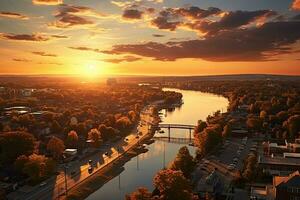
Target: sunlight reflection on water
(139, 171)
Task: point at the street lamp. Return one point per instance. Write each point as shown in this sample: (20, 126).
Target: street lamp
(65, 172)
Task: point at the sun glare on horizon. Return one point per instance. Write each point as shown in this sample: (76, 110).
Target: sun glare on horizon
(92, 71)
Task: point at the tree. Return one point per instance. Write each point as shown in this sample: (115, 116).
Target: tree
(254, 123)
(293, 126)
(14, 144)
(56, 127)
(263, 114)
(56, 147)
(20, 163)
(38, 167)
(227, 130)
(72, 139)
(140, 194)
(107, 132)
(249, 167)
(123, 123)
(183, 161)
(207, 140)
(200, 126)
(132, 116)
(95, 136)
(173, 185)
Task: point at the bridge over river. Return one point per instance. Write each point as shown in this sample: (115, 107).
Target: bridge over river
(169, 138)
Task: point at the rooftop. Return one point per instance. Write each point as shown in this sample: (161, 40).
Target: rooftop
(279, 161)
(291, 180)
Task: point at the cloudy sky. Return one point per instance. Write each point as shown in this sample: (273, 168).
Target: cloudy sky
(155, 37)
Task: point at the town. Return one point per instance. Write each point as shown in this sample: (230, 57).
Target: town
(250, 151)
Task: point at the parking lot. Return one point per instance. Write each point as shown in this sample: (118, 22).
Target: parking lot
(233, 152)
(227, 160)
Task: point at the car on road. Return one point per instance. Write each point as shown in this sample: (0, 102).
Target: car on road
(43, 184)
(106, 153)
(191, 144)
(90, 169)
(206, 162)
(231, 167)
(126, 139)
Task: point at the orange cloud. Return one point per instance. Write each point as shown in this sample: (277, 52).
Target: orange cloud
(73, 16)
(86, 49)
(13, 15)
(21, 60)
(47, 2)
(249, 44)
(35, 37)
(41, 53)
(124, 59)
(296, 5)
(132, 14)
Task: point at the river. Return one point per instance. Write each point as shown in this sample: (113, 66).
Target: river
(139, 171)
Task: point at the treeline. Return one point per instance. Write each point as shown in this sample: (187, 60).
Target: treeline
(63, 118)
(272, 106)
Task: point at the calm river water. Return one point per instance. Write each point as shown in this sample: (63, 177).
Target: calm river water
(139, 171)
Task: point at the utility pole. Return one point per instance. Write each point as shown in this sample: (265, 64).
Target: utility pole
(119, 177)
(164, 158)
(65, 172)
(66, 184)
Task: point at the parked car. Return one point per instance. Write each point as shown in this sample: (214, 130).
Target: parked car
(43, 184)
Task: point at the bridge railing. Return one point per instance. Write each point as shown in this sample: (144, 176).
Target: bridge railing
(176, 126)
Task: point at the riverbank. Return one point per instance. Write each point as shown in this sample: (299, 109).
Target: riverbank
(139, 171)
(115, 166)
(96, 181)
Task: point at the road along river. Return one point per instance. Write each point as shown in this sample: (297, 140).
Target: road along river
(140, 170)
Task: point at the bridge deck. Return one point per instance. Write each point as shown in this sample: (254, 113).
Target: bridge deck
(180, 126)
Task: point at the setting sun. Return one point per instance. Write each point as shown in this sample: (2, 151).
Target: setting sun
(91, 71)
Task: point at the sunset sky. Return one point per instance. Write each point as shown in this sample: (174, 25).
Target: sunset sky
(150, 37)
